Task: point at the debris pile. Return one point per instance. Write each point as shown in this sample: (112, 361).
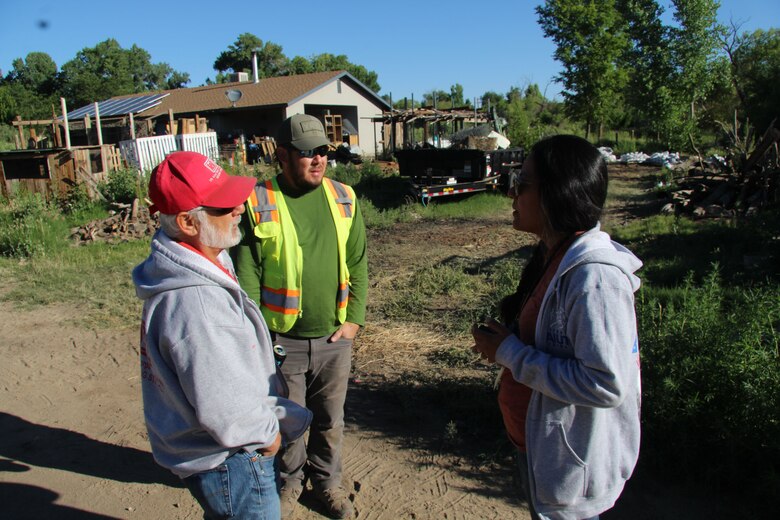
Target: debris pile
(665, 159)
(127, 222)
(728, 187)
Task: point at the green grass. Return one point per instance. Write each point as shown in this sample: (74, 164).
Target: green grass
(93, 278)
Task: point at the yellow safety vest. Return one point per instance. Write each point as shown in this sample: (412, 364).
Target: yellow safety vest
(282, 257)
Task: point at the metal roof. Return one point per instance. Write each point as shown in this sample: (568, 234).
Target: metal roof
(119, 106)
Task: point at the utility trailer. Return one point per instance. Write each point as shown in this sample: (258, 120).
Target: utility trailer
(442, 172)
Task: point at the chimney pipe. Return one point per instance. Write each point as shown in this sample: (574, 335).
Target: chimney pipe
(254, 66)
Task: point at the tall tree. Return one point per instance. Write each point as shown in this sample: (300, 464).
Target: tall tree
(324, 62)
(271, 60)
(648, 95)
(30, 88)
(693, 45)
(437, 98)
(756, 61)
(456, 95)
(108, 70)
(590, 39)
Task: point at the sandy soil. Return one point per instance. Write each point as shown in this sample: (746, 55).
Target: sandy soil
(73, 443)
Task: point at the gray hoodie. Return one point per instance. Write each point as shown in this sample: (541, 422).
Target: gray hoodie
(209, 380)
(582, 426)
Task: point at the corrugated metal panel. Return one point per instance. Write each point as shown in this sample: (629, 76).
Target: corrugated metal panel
(119, 106)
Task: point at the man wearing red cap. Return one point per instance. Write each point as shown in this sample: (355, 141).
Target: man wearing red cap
(214, 403)
(303, 259)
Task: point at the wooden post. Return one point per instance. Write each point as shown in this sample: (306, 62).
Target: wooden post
(376, 152)
(97, 121)
(132, 126)
(55, 129)
(64, 107)
(170, 121)
(87, 128)
(21, 134)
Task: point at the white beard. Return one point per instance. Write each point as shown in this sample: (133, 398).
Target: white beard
(210, 236)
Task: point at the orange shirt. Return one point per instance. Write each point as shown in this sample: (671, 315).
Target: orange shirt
(513, 397)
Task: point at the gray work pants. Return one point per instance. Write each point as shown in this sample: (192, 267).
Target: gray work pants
(317, 374)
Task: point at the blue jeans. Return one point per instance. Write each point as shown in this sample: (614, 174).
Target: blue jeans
(244, 486)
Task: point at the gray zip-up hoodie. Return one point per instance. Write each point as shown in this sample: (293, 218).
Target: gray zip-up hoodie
(209, 380)
(582, 426)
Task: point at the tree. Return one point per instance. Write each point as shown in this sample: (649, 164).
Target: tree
(37, 72)
(437, 98)
(530, 116)
(30, 89)
(755, 62)
(590, 39)
(108, 70)
(271, 60)
(693, 45)
(324, 62)
(649, 66)
(494, 100)
(456, 95)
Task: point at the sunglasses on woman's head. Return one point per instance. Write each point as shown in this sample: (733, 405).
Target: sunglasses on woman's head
(308, 154)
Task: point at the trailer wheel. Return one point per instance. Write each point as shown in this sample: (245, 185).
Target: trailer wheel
(411, 196)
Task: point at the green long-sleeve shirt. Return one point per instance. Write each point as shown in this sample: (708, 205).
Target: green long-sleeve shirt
(319, 286)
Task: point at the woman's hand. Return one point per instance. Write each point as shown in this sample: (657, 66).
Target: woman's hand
(487, 338)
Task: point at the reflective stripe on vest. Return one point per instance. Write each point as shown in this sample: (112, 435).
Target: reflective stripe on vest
(281, 254)
(344, 201)
(285, 301)
(341, 196)
(264, 204)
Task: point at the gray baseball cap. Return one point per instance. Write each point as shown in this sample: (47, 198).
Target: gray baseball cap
(302, 131)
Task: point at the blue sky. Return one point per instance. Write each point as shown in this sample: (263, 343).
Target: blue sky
(414, 46)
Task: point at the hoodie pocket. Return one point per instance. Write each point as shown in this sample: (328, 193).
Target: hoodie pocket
(560, 476)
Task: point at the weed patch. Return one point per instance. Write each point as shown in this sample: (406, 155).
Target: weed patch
(711, 371)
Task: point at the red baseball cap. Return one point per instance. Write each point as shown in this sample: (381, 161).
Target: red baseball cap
(187, 180)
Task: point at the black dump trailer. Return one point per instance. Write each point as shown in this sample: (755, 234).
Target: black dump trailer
(440, 172)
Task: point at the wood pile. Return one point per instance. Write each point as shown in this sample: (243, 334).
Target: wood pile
(735, 187)
(127, 222)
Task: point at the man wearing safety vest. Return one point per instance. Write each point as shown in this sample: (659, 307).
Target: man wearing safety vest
(303, 259)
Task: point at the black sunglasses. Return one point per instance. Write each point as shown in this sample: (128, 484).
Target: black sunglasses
(518, 182)
(320, 150)
(218, 212)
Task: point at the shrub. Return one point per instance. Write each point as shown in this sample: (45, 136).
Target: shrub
(22, 230)
(74, 200)
(711, 377)
(18, 239)
(122, 186)
(347, 173)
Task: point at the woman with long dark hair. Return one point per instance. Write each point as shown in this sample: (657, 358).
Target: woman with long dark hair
(569, 390)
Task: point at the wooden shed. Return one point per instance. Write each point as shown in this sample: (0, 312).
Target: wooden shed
(54, 170)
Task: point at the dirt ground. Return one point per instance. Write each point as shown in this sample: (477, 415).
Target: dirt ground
(73, 443)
